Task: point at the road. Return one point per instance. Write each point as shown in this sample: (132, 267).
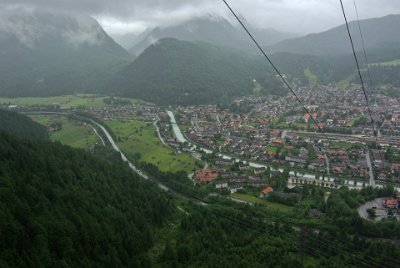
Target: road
(158, 132)
(98, 135)
(283, 136)
(380, 211)
(327, 162)
(371, 171)
(124, 158)
(141, 173)
(219, 121)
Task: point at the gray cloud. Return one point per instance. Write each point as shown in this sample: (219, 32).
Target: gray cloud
(23, 23)
(304, 16)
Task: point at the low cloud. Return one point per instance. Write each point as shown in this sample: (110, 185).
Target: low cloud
(24, 24)
(302, 16)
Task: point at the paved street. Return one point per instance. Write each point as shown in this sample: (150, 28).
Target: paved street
(371, 171)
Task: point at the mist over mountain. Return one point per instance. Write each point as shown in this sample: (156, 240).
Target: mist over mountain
(49, 54)
(215, 30)
(55, 54)
(377, 33)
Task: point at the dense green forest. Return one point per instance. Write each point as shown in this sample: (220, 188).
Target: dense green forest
(22, 126)
(62, 207)
(386, 75)
(173, 72)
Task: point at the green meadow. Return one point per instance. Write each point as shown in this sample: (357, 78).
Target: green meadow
(255, 200)
(140, 137)
(73, 133)
(68, 101)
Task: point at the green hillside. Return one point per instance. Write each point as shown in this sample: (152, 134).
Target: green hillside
(22, 126)
(61, 207)
(173, 72)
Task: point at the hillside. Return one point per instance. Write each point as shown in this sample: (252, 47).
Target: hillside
(53, 53)
(211, 29)
(174, 72)
(377, 32)
(62, 207)
(22, 126)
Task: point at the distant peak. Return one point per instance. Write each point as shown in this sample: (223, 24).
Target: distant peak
(30, 26)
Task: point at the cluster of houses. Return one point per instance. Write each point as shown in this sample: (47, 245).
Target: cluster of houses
(234, 181)
(146, 110)
(258, 135)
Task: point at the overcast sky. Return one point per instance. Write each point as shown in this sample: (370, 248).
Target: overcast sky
(300, 16)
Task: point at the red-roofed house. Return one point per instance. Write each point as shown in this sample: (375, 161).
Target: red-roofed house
(266, 191)
(306, 117)
(205, 176)
(390, 203)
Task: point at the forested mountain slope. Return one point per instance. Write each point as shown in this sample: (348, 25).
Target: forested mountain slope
(62, 207)
(173, 72)
(22, 126)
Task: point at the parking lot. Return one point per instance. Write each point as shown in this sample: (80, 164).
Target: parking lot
(380, 211)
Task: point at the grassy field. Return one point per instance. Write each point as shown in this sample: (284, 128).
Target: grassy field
(339, 145)
(140, 137)
(257, 90)
(184, 128)
(271, 149)
(312, 78)
(345, 83)
(255, 200)
(73, 133)
(68, 101)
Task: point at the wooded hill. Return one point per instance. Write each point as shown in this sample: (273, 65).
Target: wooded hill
(22, 126)
(175, 72)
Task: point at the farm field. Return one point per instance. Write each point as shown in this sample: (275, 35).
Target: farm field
(138, 137)
(72, 133)
(66, 102)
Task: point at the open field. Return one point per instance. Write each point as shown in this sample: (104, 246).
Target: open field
(140, 137)
(73, 133)
(345, 83)
(312, 78)
(339, 145)
(68, 101)
(255, 200)
(271, 149)
(184, 128)
(257, 90)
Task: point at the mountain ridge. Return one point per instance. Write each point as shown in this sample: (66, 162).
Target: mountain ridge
(335, 41)
(175, 71)
(48, 54)
(212, 29)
